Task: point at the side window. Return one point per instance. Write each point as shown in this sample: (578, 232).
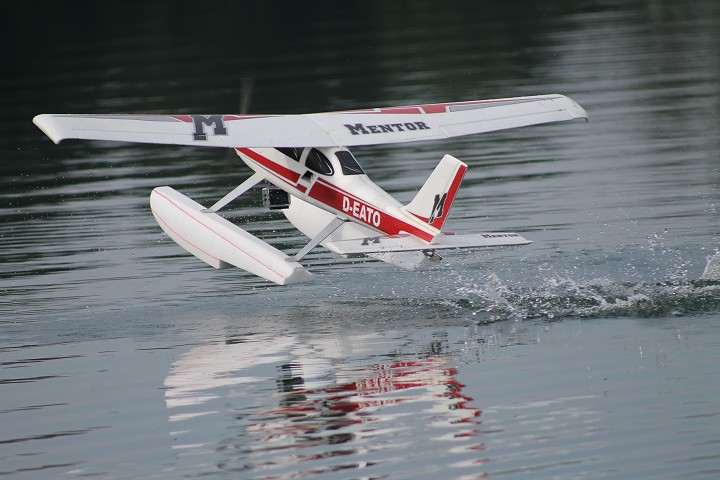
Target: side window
(349, 165)
(317, 162)
(292, 152)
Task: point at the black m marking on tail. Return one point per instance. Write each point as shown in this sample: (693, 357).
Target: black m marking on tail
(438, 209)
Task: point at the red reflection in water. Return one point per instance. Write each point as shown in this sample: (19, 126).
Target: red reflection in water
(364, 395)
(328, 406)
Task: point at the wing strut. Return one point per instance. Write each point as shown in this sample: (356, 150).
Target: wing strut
(324, 233)
(236, 192)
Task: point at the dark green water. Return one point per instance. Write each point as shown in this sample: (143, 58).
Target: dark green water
(591, 353)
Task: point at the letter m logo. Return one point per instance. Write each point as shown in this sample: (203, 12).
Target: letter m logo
(368, 240)
(356, 129)
(438, 209)
(215, 121)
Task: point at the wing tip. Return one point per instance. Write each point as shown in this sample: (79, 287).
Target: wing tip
(45, 122)
(574, 108)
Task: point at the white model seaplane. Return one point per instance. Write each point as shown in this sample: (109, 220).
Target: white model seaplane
(318, 184)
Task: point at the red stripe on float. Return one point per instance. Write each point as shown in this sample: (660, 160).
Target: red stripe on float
(212, 231)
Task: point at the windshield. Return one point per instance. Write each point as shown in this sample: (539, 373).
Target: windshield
(292, 152)
(319, 163)
(349, 165)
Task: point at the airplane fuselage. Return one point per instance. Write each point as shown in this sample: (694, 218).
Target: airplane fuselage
(331, 179)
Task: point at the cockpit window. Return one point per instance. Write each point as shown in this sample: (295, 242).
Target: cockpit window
(292, 152)
(318, 163)
(349, 165)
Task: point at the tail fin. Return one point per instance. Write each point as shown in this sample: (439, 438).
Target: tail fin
(432, 203)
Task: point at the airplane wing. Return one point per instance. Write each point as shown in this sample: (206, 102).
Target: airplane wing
(345, 128)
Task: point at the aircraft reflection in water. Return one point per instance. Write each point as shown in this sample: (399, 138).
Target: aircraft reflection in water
(326, 407)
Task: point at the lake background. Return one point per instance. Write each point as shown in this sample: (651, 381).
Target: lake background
(592, 353)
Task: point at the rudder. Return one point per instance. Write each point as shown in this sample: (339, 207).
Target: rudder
(432, 203)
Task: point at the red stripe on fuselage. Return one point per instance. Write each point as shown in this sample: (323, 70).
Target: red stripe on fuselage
(350, 205)
(282, 172)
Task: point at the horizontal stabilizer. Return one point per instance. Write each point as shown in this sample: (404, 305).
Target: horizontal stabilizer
(410, 243)
(220, 243)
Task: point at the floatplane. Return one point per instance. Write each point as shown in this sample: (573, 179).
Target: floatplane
(316, 181)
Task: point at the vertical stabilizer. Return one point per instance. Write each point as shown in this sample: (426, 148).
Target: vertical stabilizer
(432, 203)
